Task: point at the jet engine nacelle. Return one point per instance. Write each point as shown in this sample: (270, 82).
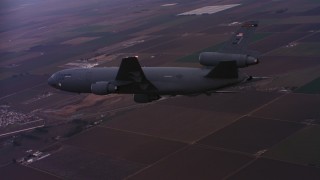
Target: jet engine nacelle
(213, 59)
(103, 88)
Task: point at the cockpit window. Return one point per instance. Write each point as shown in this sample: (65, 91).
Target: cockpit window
(66, 75)
(61, 76)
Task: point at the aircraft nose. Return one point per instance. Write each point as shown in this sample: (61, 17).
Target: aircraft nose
(52, 81)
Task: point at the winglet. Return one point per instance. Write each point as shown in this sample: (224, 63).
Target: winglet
(224, 70)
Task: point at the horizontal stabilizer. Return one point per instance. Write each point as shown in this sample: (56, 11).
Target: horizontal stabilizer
(254, 79)
(224, 70)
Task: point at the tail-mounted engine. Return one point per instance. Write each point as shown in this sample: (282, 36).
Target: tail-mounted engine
(213, 59)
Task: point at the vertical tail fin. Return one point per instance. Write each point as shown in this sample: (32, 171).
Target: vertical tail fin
(224, 70)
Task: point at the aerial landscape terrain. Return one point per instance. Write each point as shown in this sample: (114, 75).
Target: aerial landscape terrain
(269, 129)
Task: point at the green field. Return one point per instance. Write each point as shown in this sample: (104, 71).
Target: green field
(293, 20)
(300, 49)
(302, 147)
(259, 36)
(194, 57)
(311, 88)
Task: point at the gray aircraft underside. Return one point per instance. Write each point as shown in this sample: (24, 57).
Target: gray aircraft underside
(167, 80)
(220, 69)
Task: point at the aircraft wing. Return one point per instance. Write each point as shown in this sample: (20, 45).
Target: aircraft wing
(238, 43)
(130, 73)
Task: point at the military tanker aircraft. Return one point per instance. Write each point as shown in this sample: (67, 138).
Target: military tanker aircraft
(147, 84)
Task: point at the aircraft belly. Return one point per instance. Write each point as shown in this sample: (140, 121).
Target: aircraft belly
(161, 81)
(189, 87)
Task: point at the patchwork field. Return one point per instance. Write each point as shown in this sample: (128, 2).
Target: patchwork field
(267, 129)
